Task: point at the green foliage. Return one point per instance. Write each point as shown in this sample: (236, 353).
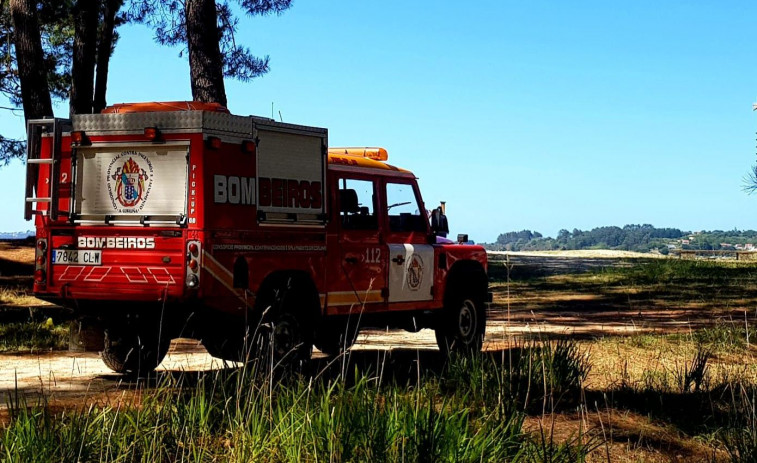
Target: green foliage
(11, 149)
(640, 238)
(57, 32)
(630, 238)
(56, 21)
(525, 377)
(167, 18)
(464, 415)
(32, 336)
(739, 436)
(690, 272)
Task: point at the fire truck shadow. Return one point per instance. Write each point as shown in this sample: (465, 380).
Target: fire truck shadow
(395, 366)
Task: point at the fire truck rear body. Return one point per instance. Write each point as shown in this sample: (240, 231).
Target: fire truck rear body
(209, 214)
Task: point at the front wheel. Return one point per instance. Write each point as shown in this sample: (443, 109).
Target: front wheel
(335, 335)
(462, 323)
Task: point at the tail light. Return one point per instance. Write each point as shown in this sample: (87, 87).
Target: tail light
(194, 249)
(40, 262)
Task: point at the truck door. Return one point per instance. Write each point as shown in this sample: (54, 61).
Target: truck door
(360, 278)
(411, 259)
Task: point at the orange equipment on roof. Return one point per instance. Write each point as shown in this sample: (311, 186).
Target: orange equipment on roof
(377, 154)
(154, 106)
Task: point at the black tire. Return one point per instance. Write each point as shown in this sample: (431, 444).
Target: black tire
(223, 336)
(225, 349)
(135, 350)
(287, 314)
(462, 323)
(336, 335)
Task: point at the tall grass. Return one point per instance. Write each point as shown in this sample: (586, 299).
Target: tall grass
(471, 411)
(31, 335)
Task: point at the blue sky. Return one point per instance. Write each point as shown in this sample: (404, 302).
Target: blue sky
(521, 115)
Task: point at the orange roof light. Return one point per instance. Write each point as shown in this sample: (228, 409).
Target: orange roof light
(377, 154)
(164, 106)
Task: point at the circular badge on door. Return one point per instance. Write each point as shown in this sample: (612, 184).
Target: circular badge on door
(414, 272)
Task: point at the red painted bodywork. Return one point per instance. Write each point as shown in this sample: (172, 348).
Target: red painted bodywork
(228, 232)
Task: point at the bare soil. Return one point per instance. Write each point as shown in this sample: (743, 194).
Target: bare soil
(543, 307)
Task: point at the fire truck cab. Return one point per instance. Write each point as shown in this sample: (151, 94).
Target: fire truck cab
(161, 220)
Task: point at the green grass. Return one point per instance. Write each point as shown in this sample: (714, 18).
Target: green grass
(664, 271)
(33, 336)
(471, 411)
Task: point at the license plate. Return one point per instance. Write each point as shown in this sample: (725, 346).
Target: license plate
(77, 257)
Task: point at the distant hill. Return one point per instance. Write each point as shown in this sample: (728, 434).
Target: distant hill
(16, 235)
(639, 238)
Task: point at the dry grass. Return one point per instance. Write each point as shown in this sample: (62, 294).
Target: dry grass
(19, 296)
(16, 268)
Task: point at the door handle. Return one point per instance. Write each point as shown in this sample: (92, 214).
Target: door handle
(400, 259)
(351, 260)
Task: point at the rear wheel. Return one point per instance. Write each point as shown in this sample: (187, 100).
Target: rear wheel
(135, 349)
(226, 349)
(288, 312)
(462, 322)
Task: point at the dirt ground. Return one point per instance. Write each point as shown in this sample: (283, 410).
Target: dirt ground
(518, 312)
(531, 301)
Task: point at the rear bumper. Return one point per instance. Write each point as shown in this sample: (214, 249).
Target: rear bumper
(70, 295)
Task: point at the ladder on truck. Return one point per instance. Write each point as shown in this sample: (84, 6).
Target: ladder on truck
(35, 130)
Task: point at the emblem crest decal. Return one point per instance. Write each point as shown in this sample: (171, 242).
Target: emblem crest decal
(414, 272)
(129, 179)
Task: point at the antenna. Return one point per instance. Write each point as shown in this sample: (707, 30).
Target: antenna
(272, 111)
(281, 119)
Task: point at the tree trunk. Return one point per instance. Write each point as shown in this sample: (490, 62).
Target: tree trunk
(104, 51)
(83, 65)
(205, 62)
(29, 58)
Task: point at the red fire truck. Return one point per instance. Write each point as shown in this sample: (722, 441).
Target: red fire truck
(160, 220)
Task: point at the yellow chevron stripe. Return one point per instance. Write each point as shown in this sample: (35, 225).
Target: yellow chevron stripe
(223, 275)
(338, 298)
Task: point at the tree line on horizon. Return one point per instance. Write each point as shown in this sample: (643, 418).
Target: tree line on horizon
(632, 237)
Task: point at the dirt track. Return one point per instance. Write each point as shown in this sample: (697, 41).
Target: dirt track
(518, 309)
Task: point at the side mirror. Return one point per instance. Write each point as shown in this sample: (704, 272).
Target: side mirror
(439, 226)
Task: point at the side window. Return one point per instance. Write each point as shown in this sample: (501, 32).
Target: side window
(356, 204)
(402, 209)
